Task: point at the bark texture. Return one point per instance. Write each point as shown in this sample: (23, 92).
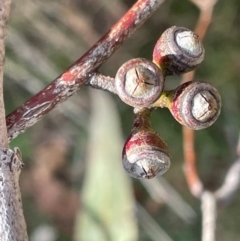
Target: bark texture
(12, 223)
(4, 13)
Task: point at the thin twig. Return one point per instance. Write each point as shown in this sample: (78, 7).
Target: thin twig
(78, 74)
(100, 81)
(190, 169)
(193, 179)
(209, 216)
(231, 183)
(232, 180)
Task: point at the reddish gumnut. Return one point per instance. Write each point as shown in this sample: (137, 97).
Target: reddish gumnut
(145, 154)
(178, 51)
(139, 82)
(196, 105)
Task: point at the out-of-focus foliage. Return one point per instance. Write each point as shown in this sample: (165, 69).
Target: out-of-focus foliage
(107, 204)
(46, 37)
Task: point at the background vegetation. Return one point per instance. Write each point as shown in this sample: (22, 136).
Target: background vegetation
(74, 153)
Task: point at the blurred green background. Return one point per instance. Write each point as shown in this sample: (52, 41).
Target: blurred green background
(73, 185)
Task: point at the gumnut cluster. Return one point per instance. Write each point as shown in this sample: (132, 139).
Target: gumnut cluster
(140, 83)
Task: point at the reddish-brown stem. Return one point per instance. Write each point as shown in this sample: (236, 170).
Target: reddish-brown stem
(78, 74)
(190, 169)
(191, 173)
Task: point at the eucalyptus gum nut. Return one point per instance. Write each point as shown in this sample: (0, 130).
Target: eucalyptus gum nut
(196, 105)
(139, 82)
(145, 155)
(178, 51)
